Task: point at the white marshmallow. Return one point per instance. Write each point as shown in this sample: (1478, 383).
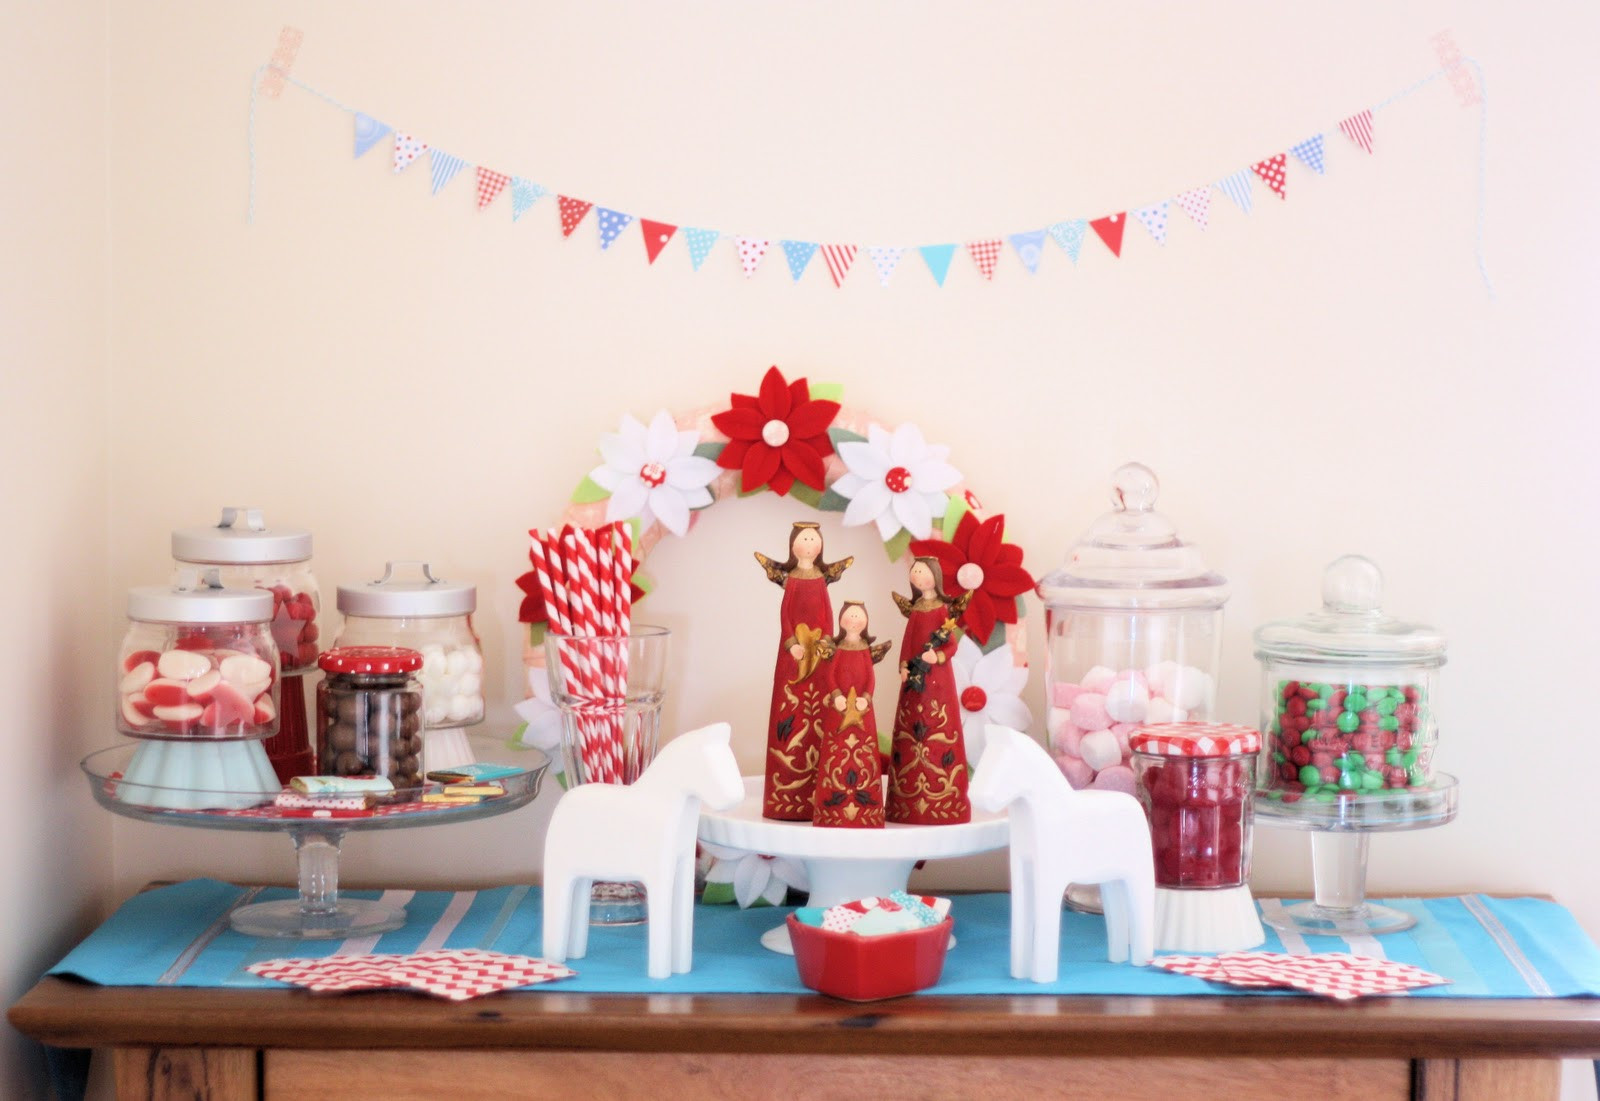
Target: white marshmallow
(1100, 750)
(1127, 701)
(1098, 679)
(1190, 688)
(469, 684)
(461, 707)
(455, 662)
(436, 713)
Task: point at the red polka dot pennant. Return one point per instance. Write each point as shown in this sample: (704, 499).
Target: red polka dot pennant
(1109, 230)
(1272, 174)
(572, 212)
(656, 236)
(751, 250)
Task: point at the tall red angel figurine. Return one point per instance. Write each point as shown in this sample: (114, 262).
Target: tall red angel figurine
(794, 730)
(849, 790)
(928, 771)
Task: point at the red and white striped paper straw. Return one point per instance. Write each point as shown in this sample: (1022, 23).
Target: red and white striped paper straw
(550, 566)
(582, 560)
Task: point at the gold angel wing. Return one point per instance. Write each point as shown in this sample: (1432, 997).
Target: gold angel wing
(774, 570)
(902, 602)
(959, 604)
(879, 649)
(836, 570)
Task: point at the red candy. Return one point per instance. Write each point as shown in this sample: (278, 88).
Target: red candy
(212, 692)
(1199, 813)
(294, 627)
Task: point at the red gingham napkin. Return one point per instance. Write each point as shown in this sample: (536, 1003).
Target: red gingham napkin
(453, 973)
(1332, 974)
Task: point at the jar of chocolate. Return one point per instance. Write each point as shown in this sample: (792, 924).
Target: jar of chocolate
(369, 714)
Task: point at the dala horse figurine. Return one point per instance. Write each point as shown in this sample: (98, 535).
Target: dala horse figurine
(1061, 836)
(644, 832)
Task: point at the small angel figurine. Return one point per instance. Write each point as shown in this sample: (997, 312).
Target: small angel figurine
(928, 771)
(794, 728)
(849, 789)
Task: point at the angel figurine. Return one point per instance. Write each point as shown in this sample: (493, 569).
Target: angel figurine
(928, 758)
(849, 789)
(794, 728)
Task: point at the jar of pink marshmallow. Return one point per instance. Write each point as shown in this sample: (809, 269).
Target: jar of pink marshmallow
(1133, 624)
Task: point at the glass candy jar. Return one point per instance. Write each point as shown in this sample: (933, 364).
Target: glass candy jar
(1133, 624)
(1347, 694)
(248, 554)
(369, 714)
(1196, 783)
(198, 662)
(433, 617)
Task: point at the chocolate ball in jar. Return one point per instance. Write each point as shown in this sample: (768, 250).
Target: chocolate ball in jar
(369, 714)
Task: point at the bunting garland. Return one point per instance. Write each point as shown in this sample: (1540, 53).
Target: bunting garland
(1309, 155)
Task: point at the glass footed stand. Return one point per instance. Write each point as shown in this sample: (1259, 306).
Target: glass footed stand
(320, 912)
(1340, 830)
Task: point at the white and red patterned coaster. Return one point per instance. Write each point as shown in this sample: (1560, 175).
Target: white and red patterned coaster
(1331, 974)
(453, 973)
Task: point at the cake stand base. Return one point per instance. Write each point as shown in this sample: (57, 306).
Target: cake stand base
(618, 904)
(350, 918)
(1366, 919)
(1223, 919)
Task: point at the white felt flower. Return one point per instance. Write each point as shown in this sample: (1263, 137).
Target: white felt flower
(543, 718)
(896, 480)
(755, 877)
(653, 473)
(989, 688)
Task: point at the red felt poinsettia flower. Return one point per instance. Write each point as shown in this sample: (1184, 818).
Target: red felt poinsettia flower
(777, 435)
(977, 561)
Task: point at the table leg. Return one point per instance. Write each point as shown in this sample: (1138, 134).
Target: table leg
(1487, 1080)
(189, 1074)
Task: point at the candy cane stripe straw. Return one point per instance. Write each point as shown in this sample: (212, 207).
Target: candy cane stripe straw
(587, 589)
(577, 554)
(615, 667)
(622, 599)
(550, 567)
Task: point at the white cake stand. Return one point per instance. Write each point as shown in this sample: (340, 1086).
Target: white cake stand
(846, 864)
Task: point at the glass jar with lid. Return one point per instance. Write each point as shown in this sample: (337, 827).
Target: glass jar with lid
(369, 714)
(198, 662)
(1348, 694)
(1133, 625)
(249, 554)
(432, 616)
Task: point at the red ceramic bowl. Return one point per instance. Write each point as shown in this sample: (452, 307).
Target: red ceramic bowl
(865, 969)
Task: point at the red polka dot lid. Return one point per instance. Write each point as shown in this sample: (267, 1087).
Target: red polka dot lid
(1195, 739)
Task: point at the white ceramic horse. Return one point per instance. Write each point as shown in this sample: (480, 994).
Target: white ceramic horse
(1061, 836)
(644, 832)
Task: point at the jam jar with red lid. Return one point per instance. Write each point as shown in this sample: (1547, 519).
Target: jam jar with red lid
(369, 714)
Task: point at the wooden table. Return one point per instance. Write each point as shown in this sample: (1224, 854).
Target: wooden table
(230, 1045)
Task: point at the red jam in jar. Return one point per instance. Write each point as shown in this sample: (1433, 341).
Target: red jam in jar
(1196, 782)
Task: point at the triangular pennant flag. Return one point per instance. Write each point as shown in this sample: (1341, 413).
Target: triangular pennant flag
(443, 168)
(369, 132)
(1029, 246)
(984, 254)
(799, 254)
(1069, 235)
(1358, 128)
(490, 184)
(1109, 229)
(656, 236)
(937, 257)
(700, 242)
(1237, 188)
(612, 223)
(1155, 220)
(885, 258)
(1272, 174)
(524, 193)
(1196, 203)
(751, 250)
(839, 258)
(407, 148)
(1309, 153)
(572, 212)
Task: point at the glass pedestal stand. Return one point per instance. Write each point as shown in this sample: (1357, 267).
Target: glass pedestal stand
(1340, 830)
(319, 913)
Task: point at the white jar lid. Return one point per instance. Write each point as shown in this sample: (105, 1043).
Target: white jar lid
(241, 537)
(204, 600)
(392, 597)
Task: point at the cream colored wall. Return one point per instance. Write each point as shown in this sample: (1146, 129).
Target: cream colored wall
(408, 377)
(55, 863)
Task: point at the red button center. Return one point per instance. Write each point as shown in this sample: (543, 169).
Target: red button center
(652, 474)
(974, 698)
(898, 479)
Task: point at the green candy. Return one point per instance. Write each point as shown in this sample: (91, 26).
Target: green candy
(1327, 795)
(1310, 775)
(1389, 722)
(1372, 781)
(1323, 690)
(1387, 705)
(1415, 777)
(1307, 737)
(1278, 758)
(1355, 701)
(1410, 757)
(1316, 705)
(1274, 795)
(1349, 780)
(1349, 722)
(1394, 757)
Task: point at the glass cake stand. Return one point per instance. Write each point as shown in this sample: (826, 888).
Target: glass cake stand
(846, 864)
(319, 913)
(1340, 829)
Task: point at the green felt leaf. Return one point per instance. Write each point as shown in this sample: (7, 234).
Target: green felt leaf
(717, 894)
(997, 639)
(806, 495)
(896, 548)
(536, 633)
(710, 450)
(645, 582)
(752, 492)
(833, 502)
(588, 492)
(1022, 608)
(885, 742)
(827, 391)
(844, 435)
(952, 517)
